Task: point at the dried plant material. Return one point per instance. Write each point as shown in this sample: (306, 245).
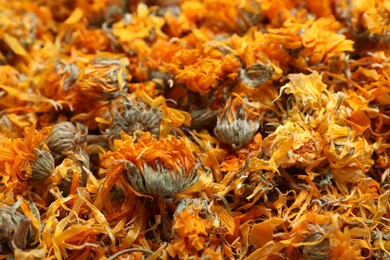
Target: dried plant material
(349, 156)
(134, 115)
(64, 138)
(158, 181)
(189, 230)
(16, 229)
(201, 69)
(369, 19)
(256, 75)
(237, 123)
(133, 31)
(262, 233)
(194, 129)
(303, 145)
(43, 165)
(320, 251)
(104, 79)
(161, 168)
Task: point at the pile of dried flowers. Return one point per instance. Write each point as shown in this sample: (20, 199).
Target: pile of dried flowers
(211, 129)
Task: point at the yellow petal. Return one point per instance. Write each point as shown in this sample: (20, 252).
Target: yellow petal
(13, 43)
(75, 16)
(263, 232)
(225, 218)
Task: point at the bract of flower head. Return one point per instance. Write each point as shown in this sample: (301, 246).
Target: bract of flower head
(161, 167)
(104, 78)
(237, 123)
(65, 137)
(132, 115)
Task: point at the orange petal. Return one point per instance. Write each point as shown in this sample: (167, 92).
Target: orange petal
(263, 232)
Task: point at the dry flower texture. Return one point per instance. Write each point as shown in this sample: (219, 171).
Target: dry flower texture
(194, 129)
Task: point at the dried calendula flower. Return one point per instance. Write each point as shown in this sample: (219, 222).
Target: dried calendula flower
(104, 79)
(238, 122)
(304, 145)
(256, 75)
(65, 137)
(136, 29)
(189, 229)
(369, 19)
(17, 30)
(15, 229)
(62, 76)
(320, 251)
(349, 154)
(71, 173)
(160, 181)
(309, 92)
(43, 165)
(161, 168)
(133, 115)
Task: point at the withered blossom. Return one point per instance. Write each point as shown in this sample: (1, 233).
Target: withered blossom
(16, 230)
(256, 74)
(135, 115)
(104, 79)
(171, 96)
(71, 172)
(320, 251)
(237, 123)
(160, 181)
(42, 166)
(65, 137)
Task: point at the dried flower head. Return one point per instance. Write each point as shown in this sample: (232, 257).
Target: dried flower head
(133, 115)
(43, 165)
(65, 137)
(72, 171)
(104, 79)
(203, 117)
(159, 180)
(320, 251)
(20, 29)
(158, 167)
(349, 154)
(190, 229)
(304, 146)
(256, 75)
(309, 91)
(15, 229)
(369, 19)
(237, 123)
(62, 77)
